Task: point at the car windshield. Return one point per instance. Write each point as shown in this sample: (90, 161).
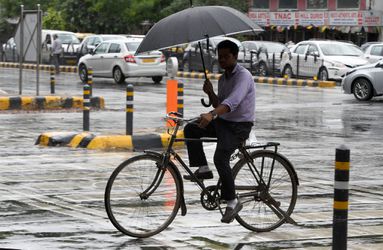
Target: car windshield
(68, 38)
(333, 49)
(132, 46)
(106, 38)
(272, 47)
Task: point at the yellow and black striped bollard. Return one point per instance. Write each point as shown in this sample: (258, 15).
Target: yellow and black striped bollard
(52, 76)
(129, 108)
(86, 107)
(90, 81)
(342, 173)
(180, 99)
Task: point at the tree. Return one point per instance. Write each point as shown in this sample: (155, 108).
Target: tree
(53, 20)
(105, 16)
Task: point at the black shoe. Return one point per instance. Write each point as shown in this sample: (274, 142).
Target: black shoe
(230, 213)
(201, 176)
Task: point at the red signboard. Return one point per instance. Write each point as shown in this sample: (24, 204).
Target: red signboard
(317, 18)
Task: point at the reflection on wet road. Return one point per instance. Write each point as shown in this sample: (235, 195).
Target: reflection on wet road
(52, 198)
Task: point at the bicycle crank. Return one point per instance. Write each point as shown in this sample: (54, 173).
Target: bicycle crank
(210, 202)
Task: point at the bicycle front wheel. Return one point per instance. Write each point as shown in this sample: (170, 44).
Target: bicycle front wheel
(279, 175)
(141, 199)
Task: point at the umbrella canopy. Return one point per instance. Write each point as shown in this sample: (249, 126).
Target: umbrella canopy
(194, 24)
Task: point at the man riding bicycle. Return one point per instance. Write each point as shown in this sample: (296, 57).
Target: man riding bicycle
(230, 122)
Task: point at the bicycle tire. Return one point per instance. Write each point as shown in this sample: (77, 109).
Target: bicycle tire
(133, 215)
(256, 215)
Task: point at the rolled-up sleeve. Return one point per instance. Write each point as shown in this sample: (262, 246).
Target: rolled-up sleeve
(238, 93)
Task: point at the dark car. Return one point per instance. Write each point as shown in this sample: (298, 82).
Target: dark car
(266, 56)
(192, 57)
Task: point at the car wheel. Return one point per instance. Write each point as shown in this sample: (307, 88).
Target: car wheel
(157, 79)
(83, 73)
(186, 67)
(118, 76)
(287, 71)
(362, 89)
(262, 69)
(323, 74)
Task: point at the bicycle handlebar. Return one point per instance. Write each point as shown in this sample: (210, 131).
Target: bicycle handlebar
(177, 118)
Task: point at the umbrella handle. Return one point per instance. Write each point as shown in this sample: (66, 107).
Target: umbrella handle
(204, 103)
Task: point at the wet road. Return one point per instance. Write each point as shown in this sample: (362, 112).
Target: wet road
(52, 198)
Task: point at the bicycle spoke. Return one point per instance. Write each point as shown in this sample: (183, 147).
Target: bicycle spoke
(257, 213)
(132, 212)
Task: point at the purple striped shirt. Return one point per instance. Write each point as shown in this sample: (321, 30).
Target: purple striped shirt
(237, 91)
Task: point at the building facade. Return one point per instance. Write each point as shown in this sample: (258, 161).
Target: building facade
(358, 21)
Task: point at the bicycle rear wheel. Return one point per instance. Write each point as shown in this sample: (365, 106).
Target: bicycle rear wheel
(256, 215)
(131, 208)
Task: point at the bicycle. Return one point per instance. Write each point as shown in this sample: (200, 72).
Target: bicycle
(144, 193)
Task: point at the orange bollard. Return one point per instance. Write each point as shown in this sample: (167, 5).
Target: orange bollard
(171, 98)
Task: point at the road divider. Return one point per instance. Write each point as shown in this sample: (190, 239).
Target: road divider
(43, 67)
(47, 102)
(267, 80)
(295, 82)
(106, 142)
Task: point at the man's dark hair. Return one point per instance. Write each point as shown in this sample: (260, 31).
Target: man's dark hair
(227, 44)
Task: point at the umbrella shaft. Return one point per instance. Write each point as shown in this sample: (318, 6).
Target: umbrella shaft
(203, 61)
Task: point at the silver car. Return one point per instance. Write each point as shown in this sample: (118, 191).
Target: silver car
(267, 55)
(116, 59)
(322, 59)
(364, 82)
(374, 52)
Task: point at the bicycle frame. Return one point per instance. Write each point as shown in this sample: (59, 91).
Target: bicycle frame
(242, 149)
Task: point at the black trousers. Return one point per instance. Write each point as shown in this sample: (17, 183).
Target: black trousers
(229, 136)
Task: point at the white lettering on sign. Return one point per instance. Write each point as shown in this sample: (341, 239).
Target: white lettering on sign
(317, 18)
(282, 18)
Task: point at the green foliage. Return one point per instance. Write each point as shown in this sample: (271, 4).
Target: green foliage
(53, 20)
(106, 16)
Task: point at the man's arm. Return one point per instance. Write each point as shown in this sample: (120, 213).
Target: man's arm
(206, 118)
(208, 89)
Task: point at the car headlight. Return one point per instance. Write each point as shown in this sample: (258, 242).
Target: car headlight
(337, 65)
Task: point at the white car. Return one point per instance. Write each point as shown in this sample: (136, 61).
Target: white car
(90, 42)
(374, 52)
(322, 59)
(192, 56)
(69, 42)
(116, 59)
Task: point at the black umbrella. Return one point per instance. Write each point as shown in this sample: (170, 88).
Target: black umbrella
(195, 24)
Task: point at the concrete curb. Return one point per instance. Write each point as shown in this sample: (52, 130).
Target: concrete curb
(197, 75)
(47, 102)
(43, 67)
(91, 141)
(267, 80)
(295, 82)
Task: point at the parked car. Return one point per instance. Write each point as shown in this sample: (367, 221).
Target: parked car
(70, 44)
(68, 39)
(324, 59)
(90, 42)
(116, 59)
(364, 82)
(192, 57)
(374, 52)
(364, 46)
(263, 54)
(9, 51)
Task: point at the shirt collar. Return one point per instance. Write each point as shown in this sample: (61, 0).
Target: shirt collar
(233, 72)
